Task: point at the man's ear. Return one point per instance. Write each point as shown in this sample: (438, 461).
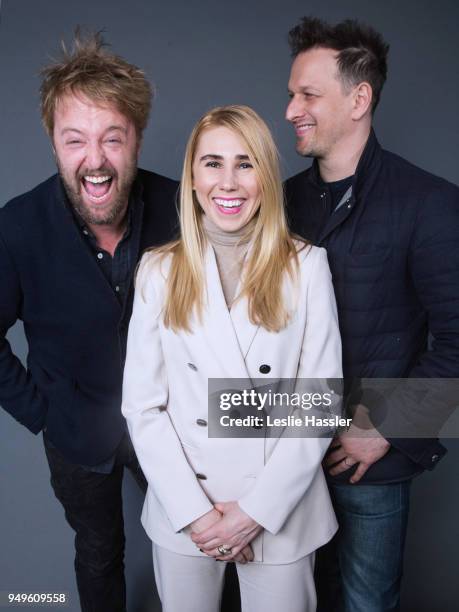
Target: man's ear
(362, 100)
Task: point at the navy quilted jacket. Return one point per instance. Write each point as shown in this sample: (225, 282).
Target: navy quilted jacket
(393, 249)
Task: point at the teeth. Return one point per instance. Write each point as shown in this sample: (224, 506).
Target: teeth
(228, 203)
(97, 179)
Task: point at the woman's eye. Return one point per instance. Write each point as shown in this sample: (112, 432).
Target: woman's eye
(245, 165)
(213, 164)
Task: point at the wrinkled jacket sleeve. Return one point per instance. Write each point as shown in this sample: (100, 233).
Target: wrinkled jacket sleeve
(144, 405)
(434, 265)
(295, 461)
(18, 394)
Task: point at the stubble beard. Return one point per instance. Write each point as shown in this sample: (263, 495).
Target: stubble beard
(320, 148)
(73, 188)
(310, 149)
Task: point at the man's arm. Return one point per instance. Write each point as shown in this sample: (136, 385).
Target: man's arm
(18, 393)
(415, 412)
(434, 266)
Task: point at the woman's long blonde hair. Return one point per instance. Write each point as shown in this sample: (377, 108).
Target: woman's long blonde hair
(272, 251)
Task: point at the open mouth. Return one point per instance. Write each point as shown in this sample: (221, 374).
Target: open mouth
(97, 188)
(229, 206)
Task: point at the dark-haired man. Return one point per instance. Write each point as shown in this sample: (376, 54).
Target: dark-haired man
(68, 252)
(392, 235)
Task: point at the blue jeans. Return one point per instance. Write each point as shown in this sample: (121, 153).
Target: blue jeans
(361, 568)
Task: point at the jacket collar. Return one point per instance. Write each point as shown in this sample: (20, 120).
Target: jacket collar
(367, 167)
(365, 174)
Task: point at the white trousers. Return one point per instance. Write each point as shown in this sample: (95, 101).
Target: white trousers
(194, 584)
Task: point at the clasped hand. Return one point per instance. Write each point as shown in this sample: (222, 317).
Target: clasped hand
(226, 525)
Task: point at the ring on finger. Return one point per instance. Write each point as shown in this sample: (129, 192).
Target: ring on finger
(224, 550)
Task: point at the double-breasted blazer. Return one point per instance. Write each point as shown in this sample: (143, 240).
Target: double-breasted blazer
(278, 482)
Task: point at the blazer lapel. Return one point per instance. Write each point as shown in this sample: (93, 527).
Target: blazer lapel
(231, 334)
(245, 331)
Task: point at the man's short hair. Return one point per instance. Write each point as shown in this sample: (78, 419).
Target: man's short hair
(362, 51)
(92, 71)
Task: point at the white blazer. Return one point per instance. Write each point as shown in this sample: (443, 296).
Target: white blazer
(278, 482)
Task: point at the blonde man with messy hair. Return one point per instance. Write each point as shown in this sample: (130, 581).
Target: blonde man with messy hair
(68, 252)
(235, 298)
(90, 70)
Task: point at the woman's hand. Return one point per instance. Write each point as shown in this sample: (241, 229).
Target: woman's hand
(208, 520)
(244, 556)
(205, 521)
(235, 530)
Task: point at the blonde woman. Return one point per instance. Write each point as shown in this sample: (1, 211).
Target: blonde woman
(234, 297)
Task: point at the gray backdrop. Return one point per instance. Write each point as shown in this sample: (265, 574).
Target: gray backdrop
(200, 54)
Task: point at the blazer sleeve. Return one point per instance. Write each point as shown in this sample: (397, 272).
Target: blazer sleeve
(144, 405)
(295, 461)
(18, 393)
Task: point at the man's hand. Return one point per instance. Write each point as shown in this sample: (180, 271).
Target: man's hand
(235, 530)
(361, 444)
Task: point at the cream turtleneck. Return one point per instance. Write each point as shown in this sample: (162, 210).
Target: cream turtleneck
(230, 250)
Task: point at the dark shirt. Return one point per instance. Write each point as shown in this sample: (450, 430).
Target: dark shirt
(340, 191)
(117, 269)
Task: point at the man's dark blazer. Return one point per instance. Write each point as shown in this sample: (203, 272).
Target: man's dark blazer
(75, 326)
